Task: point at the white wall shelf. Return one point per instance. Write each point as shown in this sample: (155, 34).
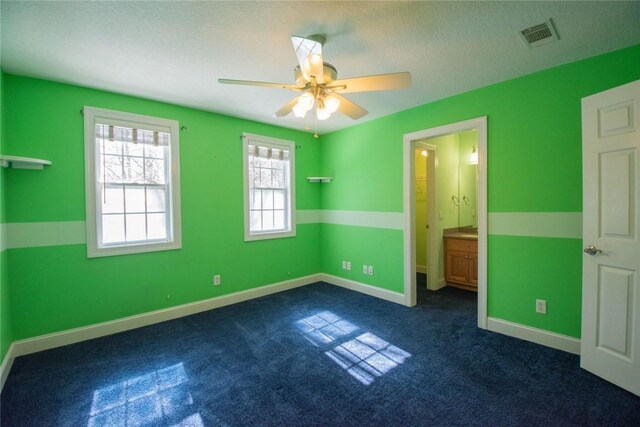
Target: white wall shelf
(319, 178)
(22, 162)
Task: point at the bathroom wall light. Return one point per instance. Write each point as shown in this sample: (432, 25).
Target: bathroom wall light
(473, 158)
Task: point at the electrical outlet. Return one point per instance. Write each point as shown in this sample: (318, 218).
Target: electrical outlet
(344, 265)
(365, 269)
(541, 306)
(216, 280)
(370, 272)
(349, 265)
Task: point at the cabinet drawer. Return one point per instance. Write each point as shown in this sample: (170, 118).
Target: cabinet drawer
(463, 245)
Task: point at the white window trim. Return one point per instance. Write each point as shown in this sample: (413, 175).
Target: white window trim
(90, 116)
(247, 138)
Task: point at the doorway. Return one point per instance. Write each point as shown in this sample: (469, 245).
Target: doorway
(426, 159)
(412, 142)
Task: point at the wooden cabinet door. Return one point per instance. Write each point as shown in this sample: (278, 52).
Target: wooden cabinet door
(473, 269)
(457, 266)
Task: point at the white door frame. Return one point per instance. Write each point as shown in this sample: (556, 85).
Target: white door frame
(409, 145)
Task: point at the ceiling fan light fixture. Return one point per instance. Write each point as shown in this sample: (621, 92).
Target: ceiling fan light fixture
(305, 101)
(299, 111)
(322, 113)
(331, 103)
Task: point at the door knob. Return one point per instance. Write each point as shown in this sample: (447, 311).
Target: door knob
(591, 250)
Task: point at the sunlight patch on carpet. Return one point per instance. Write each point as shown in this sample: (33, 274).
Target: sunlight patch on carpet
(144, 400)
(365, 357)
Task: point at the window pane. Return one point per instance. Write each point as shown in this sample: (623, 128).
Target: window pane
(131, 149)
(263, 162)
(112, 200)
(154, 171)
(111, 147)
(110, 169)
(255, 199)
(155, 199)
(278, 199)
(156, 151)
(134, 197)
(265, 178)
(112, 228)
(133, 172)
(156, 226)
(136, 229)
(278, 220)
(267, 199)
(255, 223)
(267, 220)
(278, 178)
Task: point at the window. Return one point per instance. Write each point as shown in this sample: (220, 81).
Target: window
(132, 183)
(268, 187)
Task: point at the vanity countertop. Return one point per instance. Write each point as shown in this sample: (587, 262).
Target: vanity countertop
(461, 233)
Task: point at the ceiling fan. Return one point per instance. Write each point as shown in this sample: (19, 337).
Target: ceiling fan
(317, 80)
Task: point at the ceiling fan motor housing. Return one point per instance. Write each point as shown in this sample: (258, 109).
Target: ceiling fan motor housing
(330, 74)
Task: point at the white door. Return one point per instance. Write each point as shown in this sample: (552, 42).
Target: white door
(610, 346)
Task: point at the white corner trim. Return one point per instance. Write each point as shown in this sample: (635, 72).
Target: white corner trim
(421, 269)
(538, 336)
(6, 365)
(58, 339)
(363, 288)
(441, 283)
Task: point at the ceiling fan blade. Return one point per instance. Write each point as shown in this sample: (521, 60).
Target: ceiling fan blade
(287, 108)
(261, 84)
(309, 54)
(373, 83)
(350, 108)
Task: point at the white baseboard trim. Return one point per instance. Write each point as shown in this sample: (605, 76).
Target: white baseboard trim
(440, 283)
(538, 336)
(58, 339)
(421, 269)
(6, 365)
(373, 291)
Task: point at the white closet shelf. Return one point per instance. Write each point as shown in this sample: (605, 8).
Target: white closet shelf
(319, 178)
(22, 162)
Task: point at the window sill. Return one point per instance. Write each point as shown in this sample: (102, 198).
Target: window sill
(132, 249)
(269, 236)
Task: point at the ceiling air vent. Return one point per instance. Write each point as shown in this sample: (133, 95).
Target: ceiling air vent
(539, 34)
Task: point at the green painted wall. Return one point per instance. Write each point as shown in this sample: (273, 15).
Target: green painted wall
(56, 288)
(343, 242)
(523, 269)
(534, 165)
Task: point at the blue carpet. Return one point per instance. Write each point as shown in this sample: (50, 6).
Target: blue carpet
(316, 355)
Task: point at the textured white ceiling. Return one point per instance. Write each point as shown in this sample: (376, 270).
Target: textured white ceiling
(176, 51)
